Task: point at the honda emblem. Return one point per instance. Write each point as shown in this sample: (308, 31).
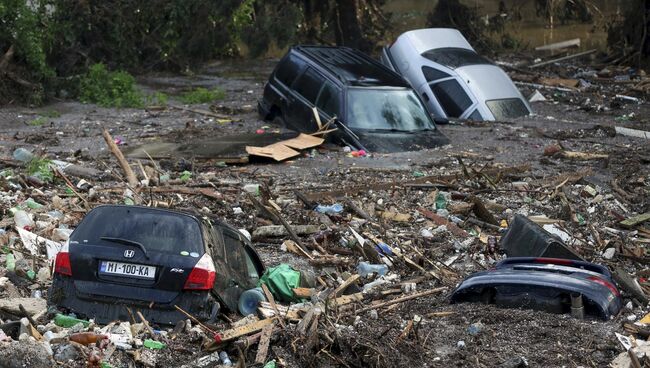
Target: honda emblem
(129, 253)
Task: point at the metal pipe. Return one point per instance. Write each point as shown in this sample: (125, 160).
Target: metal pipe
(577, 307)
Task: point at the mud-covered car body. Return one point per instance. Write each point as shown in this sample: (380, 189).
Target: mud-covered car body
(151, 260)
(544, 284)
(451, 78)
(376, 109)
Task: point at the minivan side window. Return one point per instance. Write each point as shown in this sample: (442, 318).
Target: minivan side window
(452, 97)
(328, 99)
(308, 85)
(288, 70)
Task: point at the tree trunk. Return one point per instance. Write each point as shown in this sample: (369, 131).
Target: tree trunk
(348, 30)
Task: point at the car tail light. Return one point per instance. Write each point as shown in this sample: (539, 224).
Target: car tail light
(62, 262)
(202, 275)
(605, 283)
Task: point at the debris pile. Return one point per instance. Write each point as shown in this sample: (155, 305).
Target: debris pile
(361, 257)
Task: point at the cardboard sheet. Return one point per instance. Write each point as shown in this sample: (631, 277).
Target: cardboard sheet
(283, 150)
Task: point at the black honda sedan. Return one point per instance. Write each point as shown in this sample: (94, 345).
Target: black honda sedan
(123, 259)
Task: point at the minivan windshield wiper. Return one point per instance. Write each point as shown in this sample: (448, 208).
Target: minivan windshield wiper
(126, 242)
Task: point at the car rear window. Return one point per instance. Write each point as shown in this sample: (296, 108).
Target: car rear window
(452, 97)
(453, 57)
(288, 70)
(431, 74)
(308, 85)
(508, 108)
(159, 231)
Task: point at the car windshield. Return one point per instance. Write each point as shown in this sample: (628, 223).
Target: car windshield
(156, 230)
(386, 109)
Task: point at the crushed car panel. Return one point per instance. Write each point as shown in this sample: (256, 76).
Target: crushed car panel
(544, 284)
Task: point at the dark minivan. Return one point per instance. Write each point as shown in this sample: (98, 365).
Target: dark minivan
(151, 260)
(376, 109)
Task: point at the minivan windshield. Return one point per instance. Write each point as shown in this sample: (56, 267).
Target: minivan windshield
(386, 109)
(156, 230)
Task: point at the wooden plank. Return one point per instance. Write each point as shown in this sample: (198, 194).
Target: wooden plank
(304, 293)
(263, 348)
(305, 321)
(271, 300)
(347, 299)
(559, 45)
(317, 117)
(402, 299)
(635, 220)
(344, 285)
(246, 330)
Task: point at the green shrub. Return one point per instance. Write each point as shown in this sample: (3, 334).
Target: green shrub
(38, 121)
(157, 99)
(109, 88)
(202, 95)
(40, 167)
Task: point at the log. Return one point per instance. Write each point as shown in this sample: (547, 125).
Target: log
(402, 299)
(263, 348)
(130, 175)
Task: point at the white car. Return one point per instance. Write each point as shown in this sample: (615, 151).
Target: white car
(452, 79)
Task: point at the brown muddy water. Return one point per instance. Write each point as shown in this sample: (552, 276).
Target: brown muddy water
(523, 24)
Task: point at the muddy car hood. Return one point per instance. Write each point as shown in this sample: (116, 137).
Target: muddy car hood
(394, 141)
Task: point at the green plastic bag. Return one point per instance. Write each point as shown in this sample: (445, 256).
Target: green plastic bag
(281, 281)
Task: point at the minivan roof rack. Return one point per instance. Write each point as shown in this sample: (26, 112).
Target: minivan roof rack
(352, 67)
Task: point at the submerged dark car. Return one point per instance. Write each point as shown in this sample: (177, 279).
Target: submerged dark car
(544, 284)
(151, 260)
(376, 109)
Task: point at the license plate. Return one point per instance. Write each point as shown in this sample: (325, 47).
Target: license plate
(127, 269)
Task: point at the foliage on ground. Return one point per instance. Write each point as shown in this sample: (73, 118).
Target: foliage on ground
(109, 88)
(202, 95)
(40, 167)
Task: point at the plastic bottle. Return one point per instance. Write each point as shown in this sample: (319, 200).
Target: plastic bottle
(384, 248)
(87, 338)
(441, 202)
(330, 210)
(225, 360)
(249, 300)
(252, 189)
(23, 155)
(11, 262)
(22, 220)
(153, 344)
(364, 269)
(62, 320)
(31, 203)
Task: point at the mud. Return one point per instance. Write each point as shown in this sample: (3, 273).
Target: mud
(198, 141)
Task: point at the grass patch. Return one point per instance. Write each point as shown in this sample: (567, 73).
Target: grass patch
(157, 99)
(52, 114)
(38, 121)
(40, 167)
(109, 88)
(202, 95)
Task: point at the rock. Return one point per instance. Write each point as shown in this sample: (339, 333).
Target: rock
(32, 305)
(518, 362)
(65, 352)
(43, 274)
(24, 354)
(609, 253)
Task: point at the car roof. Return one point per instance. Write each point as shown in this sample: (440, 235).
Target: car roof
(146, 208)
(427, 39)
(351, 67)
